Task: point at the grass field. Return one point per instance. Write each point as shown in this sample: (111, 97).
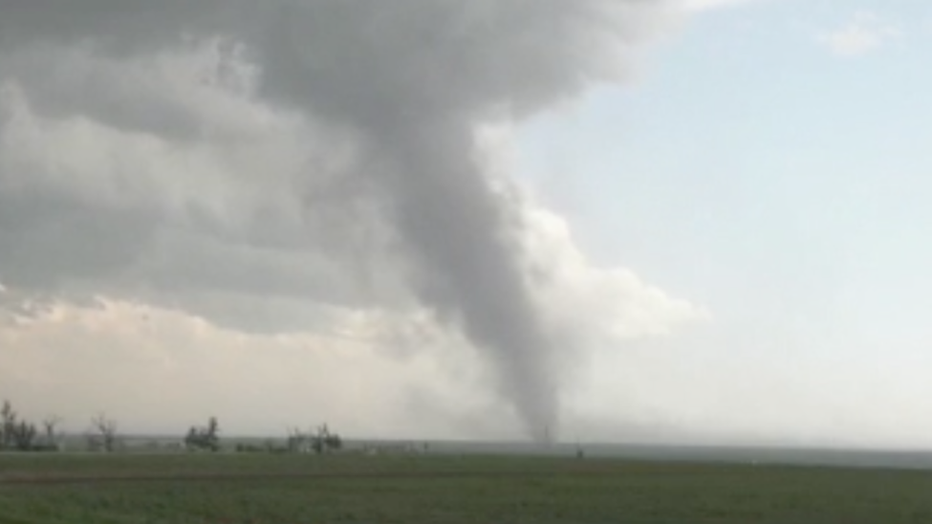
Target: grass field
(282, 489)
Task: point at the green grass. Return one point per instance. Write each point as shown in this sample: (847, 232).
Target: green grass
(455, 490)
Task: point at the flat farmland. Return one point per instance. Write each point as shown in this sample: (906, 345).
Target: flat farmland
(351, 489)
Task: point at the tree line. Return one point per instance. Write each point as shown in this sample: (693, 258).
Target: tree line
(20, 434)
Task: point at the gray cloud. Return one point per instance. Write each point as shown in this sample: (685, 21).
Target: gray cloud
(405, 82)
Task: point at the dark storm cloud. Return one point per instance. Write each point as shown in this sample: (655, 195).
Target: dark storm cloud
(409, 80)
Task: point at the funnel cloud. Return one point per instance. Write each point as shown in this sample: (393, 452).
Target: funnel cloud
(408, 83)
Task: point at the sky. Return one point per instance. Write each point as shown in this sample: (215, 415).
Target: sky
(701, 225)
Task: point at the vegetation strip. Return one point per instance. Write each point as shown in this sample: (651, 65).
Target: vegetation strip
(195, 477)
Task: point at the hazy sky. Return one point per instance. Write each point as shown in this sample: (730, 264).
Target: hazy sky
(711, 213)
(770, 165)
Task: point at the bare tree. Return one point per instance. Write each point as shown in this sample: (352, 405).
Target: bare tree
(24, 435)
(8, 422)
(325, 441)
(15, 433)
(103, 434)
(299, 441)
(319, 440)
(50, 431)
(204, 438)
